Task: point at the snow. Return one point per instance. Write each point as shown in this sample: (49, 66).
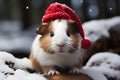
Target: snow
(106, 63)
(19, 63)
(12, 68)
(22, 75)
(96, 29)
(94, 74)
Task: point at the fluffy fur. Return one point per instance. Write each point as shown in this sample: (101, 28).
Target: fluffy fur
(46, 52)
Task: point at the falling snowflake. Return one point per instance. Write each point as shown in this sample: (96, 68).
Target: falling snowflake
(93, 11)
(111, 9)
(90, 10)
(27, 7)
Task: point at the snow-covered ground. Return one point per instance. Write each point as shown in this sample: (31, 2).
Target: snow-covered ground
(96, 29)
(94, 74)
(12, 68)
(100, 64)
(106, 63)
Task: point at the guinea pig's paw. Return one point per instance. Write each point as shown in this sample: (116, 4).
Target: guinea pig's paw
(53, 72)
(75, 71)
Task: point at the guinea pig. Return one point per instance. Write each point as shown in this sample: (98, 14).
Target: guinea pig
(57, 44)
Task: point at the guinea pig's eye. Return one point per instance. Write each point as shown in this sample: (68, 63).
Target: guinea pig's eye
(68, 33)
(51, 34)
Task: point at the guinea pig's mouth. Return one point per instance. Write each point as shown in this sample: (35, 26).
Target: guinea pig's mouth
(61, 50)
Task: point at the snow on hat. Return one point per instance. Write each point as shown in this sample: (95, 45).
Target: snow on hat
(61, 11)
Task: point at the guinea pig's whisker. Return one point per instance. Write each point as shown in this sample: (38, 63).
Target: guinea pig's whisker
(72, 47)
(48, 50)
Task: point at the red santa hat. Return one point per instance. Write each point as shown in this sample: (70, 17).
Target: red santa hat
(61, 11)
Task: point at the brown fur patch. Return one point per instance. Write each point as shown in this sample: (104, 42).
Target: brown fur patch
(73, 30)
(75, 43)
(43, 29)
(35, 63)
(73, 26)
(45, 40)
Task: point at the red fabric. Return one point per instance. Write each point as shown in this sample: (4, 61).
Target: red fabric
(85, 43)
(53, 16)
(61, 11)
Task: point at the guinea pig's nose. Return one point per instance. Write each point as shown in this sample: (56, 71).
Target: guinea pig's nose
(61, 45)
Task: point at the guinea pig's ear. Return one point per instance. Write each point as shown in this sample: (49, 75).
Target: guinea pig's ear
(74, 26)
(43, 29)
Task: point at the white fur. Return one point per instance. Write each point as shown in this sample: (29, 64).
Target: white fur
(60, 28)
(59, 59)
